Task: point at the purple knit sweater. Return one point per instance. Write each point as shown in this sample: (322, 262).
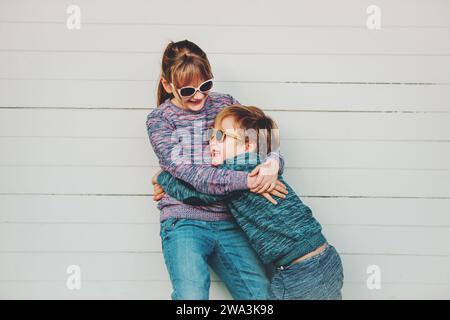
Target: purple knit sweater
(177, 138)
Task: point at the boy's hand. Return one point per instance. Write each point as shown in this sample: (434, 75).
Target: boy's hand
(158, 191)
(155, 177)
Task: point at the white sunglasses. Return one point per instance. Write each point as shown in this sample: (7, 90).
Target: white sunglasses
(189, 91)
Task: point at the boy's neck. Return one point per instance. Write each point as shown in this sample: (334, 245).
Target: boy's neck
(246, 157)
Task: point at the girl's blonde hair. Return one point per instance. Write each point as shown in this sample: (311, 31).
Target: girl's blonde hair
(251, 117)
(182, 62)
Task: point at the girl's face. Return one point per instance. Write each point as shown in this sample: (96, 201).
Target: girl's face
(193, 103)
(229, 147)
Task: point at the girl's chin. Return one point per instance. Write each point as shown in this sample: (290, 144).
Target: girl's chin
(195, 106)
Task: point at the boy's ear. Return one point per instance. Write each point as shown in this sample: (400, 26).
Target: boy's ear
(250, 145)
(166, 85)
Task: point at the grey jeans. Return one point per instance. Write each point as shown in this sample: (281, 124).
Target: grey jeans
(319, 277)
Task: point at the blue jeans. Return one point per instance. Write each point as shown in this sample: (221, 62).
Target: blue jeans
(319, 277)
(189, 246)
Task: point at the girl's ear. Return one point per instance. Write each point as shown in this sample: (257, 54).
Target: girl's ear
(166, 85)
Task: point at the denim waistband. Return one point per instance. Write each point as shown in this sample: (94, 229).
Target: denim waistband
(302, 247)
(321, 253)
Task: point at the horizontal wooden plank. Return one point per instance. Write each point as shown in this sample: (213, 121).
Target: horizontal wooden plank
(78, 209)
(290, 96)
(43, 151)
(81, 94)
(144, 290)
(150, 267)
(309, 182)
(241, 67)
(93, 266)
(393, 291)
(142, 238)
(161, 291)
(142, 209)
(230, 39)
(293, 125)
(70, 238)
(288, 12)
(136, 290)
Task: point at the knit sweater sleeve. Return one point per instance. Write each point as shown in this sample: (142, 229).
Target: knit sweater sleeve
(277, 156)
(203, 177)
(184, 192)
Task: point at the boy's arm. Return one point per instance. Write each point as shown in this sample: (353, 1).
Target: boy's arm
(184, 192)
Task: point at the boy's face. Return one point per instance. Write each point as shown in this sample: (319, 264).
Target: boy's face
(229, 147)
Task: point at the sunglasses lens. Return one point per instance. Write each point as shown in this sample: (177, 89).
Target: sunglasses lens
(189, 91)
(186, 92)
(206, 86)
(219, 135)
(209, 134)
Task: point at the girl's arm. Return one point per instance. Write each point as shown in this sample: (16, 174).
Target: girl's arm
(276, 155)
(203, 177)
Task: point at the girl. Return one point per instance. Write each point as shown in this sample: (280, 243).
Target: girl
(194, 237)
(285, 235)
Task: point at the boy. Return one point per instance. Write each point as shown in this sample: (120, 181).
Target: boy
(285, 235)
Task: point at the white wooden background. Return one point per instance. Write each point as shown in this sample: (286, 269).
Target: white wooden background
(364, 116)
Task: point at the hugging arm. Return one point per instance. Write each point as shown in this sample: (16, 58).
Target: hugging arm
(165, 140)
(202, 177)
(276, 155)
(185, 193)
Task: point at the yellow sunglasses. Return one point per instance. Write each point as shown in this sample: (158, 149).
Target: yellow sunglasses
(219, 135)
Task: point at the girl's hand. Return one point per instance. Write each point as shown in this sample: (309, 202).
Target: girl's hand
(158, 191)
(269, 197)
(279, 191)
(264, 177)
(263, 180)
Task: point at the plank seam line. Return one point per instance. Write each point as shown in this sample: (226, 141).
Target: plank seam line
(219, 53)
(150, 195)
(247, 81)
(240, 25)
(160, 252)
(157, 224)
(265, 109)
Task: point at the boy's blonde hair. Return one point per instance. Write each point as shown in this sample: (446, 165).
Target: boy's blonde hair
(251, 117)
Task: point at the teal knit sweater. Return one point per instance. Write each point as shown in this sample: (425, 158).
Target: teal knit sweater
(278, 233)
